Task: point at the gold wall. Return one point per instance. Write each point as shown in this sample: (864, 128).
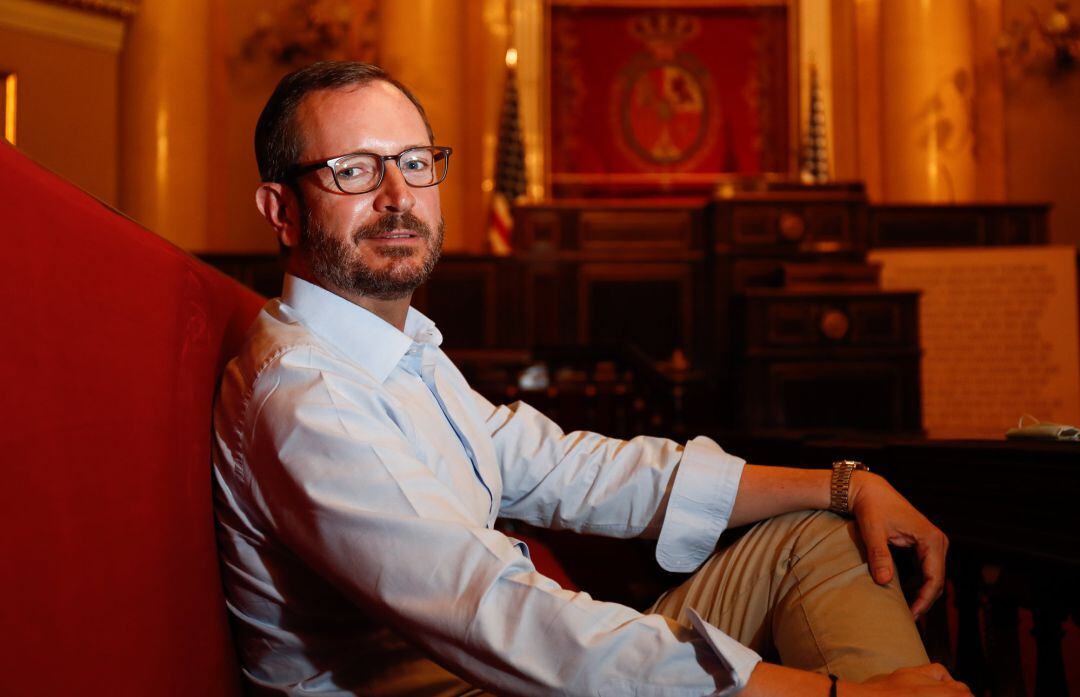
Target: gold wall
(164, 128)
(1042, 137)
(67, 95)
(902, 119)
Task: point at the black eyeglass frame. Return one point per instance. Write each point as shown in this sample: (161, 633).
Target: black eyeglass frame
(445, 151)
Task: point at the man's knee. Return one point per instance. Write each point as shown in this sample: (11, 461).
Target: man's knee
(831, 610)
(810, 527)
(817, 534)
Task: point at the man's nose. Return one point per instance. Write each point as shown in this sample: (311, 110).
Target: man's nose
(393, 195)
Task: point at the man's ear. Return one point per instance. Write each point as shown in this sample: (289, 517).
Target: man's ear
(280, 206)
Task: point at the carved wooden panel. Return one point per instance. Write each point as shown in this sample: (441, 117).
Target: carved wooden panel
(754, 225)
(540, 231)
(545, 308)
(626, 228)
(882, 322)
(868, 395)
(619, 231)
(461, 296)
(830, 319)
(781, 222)
(829, 359)
(647, 305)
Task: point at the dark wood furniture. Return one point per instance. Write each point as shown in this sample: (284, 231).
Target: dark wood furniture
(614, 272)
(777, 223)
(982, 225)
(617, 392)
(812, 359)
(263, 273)
(470, 297)
(706, 278)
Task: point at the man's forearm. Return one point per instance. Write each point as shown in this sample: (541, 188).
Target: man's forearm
(765, 492)
(771, 680)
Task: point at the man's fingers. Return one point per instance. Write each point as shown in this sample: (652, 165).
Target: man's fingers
(932, 553)
(877, 550)
(935, 671)
(927, 595)
(925, 680)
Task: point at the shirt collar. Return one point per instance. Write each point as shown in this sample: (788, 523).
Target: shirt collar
(373, 343)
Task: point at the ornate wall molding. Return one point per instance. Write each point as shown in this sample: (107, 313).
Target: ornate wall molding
(61, 20)
(115, 8)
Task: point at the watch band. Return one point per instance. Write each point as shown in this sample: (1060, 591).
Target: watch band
(840, 485)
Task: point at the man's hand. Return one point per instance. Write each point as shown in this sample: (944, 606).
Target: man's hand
(924, 680)
(885, 517)
(770, 680)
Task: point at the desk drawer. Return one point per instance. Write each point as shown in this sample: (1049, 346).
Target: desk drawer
(784, 320)
(789, 226)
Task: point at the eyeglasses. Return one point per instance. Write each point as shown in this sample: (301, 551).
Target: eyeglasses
(361, 172)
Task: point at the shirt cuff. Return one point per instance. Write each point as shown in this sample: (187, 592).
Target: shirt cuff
(700, 505)
(741, 660)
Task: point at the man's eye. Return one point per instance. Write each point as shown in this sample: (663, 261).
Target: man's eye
(354, 172)
(416, 165)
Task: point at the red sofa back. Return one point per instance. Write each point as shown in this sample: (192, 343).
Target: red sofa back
(111, 349)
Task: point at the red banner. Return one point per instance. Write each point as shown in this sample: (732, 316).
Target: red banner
(675, 97)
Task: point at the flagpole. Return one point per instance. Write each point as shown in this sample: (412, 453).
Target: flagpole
(510, 180)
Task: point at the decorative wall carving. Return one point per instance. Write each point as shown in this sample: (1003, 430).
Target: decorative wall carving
(113, 8)
(304, 31)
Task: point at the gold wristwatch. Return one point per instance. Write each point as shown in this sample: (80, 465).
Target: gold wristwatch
(840, 486)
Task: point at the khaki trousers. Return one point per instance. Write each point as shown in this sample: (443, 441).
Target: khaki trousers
(795, 588)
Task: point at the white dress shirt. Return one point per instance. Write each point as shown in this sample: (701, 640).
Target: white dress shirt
(358, 477)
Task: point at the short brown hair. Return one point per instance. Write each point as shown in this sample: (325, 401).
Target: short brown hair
(277, 142)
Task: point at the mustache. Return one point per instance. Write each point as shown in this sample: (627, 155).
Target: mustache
(391, 222)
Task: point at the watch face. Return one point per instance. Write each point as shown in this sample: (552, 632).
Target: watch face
(853, 464)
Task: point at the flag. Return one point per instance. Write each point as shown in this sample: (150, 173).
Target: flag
(815, 155)
(509, 164)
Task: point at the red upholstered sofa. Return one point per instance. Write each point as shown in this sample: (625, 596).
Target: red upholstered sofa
(112, 347)
(113, 340)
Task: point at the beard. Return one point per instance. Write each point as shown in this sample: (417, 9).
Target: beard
(338, 264)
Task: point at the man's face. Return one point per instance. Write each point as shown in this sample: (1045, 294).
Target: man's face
(382, 244)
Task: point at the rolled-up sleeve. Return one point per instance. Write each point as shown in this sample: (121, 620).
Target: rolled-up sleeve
(649, 487)
(699, 506)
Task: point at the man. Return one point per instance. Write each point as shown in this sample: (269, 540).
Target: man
(359, 477)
